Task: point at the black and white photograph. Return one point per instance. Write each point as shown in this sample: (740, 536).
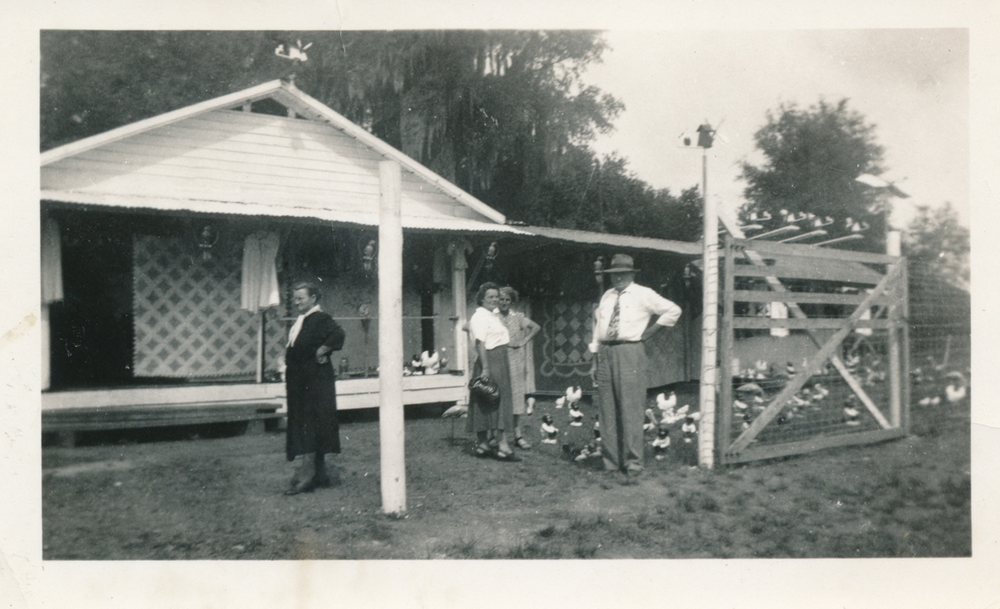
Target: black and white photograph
(363, 313)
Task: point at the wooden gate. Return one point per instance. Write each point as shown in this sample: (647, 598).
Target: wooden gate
(813, 349)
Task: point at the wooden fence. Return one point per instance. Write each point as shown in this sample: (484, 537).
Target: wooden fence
(849, 310)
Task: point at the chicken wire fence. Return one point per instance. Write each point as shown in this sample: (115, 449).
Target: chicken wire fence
(940, 336)
(815, 344)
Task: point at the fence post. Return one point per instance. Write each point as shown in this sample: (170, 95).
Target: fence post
(893, 248)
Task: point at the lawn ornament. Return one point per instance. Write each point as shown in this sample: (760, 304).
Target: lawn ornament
(430, 362)
(458, 411)
(690, 428)
(650, 422)
(666, 403)
(930, 400)
(531, 404)
(575, 416)
(573, 395)
(851, 412)
(560, 401)
(957, 389)
(550, 432)
(661, 443)
(597, 428)
(416, 367)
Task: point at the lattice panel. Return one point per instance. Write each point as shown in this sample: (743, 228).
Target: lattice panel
(187, 316)
(565, 334)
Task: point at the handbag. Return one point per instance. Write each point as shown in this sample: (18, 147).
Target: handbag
(485, 390)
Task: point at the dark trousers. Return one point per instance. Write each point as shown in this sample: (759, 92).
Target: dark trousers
(621, 387)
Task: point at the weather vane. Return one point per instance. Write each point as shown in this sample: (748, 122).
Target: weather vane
(296, 54)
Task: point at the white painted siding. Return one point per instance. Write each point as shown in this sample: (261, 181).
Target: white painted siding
(243, 157)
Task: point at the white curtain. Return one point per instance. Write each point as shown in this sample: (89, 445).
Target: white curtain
(52, 283)
(260, 273)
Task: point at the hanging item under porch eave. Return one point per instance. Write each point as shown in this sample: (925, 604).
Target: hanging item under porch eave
(259, 288)
(52, 283)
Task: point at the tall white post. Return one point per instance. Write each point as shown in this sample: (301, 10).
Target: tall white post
(461, 356)
(893, 247)
(710, 323)
(390, 339)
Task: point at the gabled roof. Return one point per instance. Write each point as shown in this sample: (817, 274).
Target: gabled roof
(211, 157)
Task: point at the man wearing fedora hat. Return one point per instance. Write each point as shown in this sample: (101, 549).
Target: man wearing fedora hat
(621, 324)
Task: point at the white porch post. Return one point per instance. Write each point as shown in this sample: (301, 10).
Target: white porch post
(458, 291)
(390, 339)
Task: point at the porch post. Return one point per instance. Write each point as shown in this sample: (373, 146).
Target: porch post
(390, 339)
(458, 291)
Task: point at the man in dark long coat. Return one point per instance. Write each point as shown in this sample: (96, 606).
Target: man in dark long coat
(313, 429)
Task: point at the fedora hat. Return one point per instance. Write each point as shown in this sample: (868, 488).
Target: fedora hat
(621, 263)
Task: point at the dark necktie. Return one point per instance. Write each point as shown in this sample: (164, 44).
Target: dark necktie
(612, 333)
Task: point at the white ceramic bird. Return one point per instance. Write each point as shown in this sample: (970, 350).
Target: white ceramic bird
(761, 369)
(930, 400)
(430, 362)
(666, 403)
(550, 432)
(574, 394)
(956, 389)
(575, 416)
(954, 393)
(560, 401)
(819, 391)
(458, 411)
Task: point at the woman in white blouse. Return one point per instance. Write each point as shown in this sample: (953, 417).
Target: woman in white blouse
(491, 338)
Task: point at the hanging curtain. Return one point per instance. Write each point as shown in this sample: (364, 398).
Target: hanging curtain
(260, 273)
(52, 283)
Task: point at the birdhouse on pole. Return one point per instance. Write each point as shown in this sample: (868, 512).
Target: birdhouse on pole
(705, 135)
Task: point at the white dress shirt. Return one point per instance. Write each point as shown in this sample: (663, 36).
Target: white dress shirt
(637, 305)
(486, 326)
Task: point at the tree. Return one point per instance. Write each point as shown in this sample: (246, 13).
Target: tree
(505, 115)
(936, 244)
(812, 158)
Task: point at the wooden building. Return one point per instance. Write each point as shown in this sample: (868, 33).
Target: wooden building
(170, 245)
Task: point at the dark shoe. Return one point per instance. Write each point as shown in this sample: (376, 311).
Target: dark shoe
(483, 451)
(305, 487)
(509, 457)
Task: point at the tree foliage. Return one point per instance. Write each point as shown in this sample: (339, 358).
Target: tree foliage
(811, 159)
(504, 115)
(937, 244)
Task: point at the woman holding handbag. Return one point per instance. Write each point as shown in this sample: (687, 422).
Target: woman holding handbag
(487, 415)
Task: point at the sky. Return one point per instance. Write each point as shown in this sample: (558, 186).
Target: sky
(913, 85)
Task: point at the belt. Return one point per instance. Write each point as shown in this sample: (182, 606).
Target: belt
(612, 343)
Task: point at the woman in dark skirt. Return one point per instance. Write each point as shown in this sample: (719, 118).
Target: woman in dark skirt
(491, 338)
(313, 428)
